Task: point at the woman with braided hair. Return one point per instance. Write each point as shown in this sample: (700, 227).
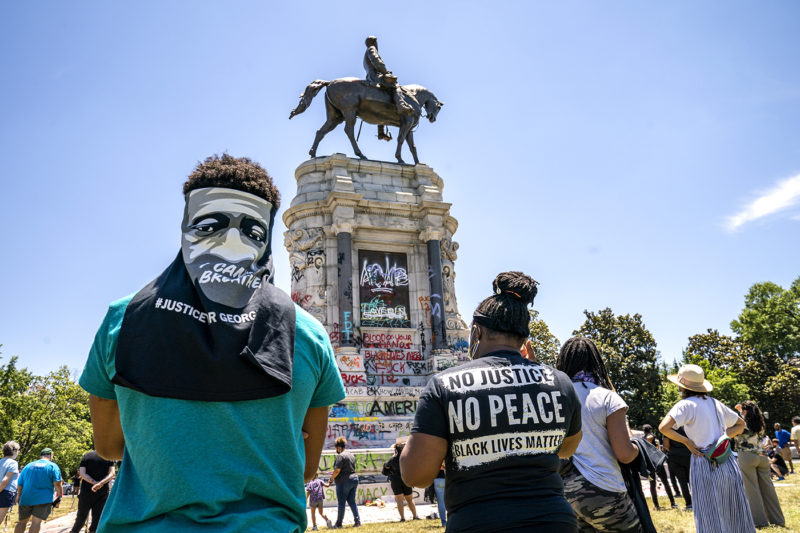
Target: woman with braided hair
(500, 422)
(593, 483)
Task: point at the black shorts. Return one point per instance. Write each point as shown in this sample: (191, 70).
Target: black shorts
(7, 498)
(41, 511)
(398, 487)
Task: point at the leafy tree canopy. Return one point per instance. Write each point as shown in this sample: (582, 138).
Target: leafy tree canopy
(545, 344)
(44, 412)
(629, 352)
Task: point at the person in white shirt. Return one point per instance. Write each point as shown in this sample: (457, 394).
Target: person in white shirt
(720, 503)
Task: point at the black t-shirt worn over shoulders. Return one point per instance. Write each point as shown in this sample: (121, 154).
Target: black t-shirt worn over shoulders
(504, 418)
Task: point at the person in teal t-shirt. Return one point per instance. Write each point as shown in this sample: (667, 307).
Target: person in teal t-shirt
(210, 384)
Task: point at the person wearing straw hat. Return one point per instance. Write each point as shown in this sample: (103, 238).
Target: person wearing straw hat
(720, 503)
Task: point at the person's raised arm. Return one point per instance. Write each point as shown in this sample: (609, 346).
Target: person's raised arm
(735, 429)
(315, 424)
(421, 459)
(619, 436)
(108, 438)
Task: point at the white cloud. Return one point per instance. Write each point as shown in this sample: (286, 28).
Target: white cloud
(783, 195)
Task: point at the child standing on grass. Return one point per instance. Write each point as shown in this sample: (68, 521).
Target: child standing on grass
(316, 497)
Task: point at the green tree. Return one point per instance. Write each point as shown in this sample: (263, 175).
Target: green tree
(630, 355)
(545, 344)
(50, 411)
(770, 320)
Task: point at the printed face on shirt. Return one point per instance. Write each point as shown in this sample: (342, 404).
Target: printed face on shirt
(225, 239)
(226, 223)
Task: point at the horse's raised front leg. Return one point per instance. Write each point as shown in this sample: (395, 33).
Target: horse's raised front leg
(350, 130)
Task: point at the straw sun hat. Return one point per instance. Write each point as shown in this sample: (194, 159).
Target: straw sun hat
(691, 377)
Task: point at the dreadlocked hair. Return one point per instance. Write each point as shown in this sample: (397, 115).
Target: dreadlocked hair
(580, 353)
(506, 310)
(753, 418)
(240, 173)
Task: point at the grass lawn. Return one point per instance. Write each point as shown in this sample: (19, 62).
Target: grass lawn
(671, 521)
(65, 507)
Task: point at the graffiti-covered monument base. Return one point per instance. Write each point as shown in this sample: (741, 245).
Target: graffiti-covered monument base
(373, 258)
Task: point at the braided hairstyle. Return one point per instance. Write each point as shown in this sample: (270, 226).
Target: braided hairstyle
(506, 310)
(580, 353)
(752, 416)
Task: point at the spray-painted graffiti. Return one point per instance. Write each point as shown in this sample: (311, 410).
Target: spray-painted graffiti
(372, 408)
(383, 289)
(444, 362)
(353, 378)
(394, 392)
(382, 432)
(371, 492)
(402, 341)
(347, 327)
(350, 363)
(367, 461)
(391, 355)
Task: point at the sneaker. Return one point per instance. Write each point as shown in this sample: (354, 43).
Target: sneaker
(328, 523)
(687, 508)
(314, 528)
(674, 505)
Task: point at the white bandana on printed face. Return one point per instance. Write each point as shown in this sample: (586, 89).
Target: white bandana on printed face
(225, 243)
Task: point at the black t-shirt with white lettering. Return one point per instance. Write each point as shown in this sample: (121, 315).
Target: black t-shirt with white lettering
(97, 468)
(504, 418)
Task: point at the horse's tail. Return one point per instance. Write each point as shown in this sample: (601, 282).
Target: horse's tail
(305, 99)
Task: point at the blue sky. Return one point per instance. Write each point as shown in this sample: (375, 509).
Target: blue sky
(637, 156)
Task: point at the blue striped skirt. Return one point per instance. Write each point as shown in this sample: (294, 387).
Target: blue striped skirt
(718, 497)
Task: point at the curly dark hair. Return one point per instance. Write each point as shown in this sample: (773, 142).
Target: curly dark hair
(240, 173)
(753, 418)
(506, 310)
(580, 353)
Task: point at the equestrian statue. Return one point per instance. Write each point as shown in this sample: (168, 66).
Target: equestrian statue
(378, 99)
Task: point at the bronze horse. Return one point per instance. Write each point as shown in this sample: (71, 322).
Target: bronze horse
(349, 98)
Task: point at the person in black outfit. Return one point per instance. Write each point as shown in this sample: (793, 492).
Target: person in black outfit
(678, 461)
(401, 491)
(500, 422)
(661, 472)
(95, 473)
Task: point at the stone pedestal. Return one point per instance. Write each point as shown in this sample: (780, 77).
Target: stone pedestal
(373, 258)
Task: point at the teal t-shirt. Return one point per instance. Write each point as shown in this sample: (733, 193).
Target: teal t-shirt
(212, 466)
(36, 482)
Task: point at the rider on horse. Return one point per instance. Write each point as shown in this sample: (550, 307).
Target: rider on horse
(378, 76)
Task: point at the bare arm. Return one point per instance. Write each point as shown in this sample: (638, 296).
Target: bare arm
(315, 424)
(86, 476)
(569, 445)
(422, 459)
(618, 435)
(333, 476)
(108, 438)
(735, 429)
(59, 486)
(665, 427)
(6, 480)
(99, 485)
(665, 444)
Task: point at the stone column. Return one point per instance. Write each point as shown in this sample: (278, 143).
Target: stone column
(344, 260)
(438, 324)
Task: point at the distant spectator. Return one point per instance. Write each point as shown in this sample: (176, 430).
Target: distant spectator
(784, 437)
(346, 479)
(761, 495)
(661, 472)
(679, 464)
(316, 501)
(777, 464)
(96, 473)
(720, 503)
(35, 491)
(796, 433)
(9, 472)
(438, 488)
(401, 491)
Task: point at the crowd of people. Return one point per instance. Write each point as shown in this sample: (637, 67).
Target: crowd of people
(505, 443)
